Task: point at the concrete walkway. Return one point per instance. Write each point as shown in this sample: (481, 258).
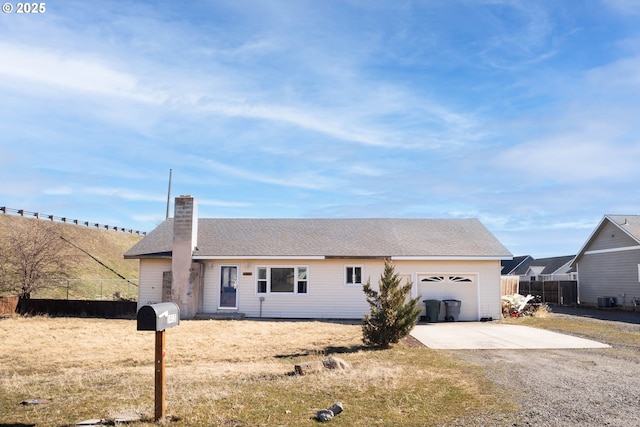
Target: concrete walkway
(479, 335)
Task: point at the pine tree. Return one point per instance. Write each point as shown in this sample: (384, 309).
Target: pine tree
(392, 317)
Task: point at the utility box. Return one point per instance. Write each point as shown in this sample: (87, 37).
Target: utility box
(604, 302)
(158, 317)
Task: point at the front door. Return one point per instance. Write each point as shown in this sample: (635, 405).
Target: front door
(228, 286)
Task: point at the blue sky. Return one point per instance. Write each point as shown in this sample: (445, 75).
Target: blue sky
(525, 115)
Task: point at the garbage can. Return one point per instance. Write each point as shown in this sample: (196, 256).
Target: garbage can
(452, 309)
(433, 309)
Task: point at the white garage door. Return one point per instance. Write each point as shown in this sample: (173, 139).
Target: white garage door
(462, 287)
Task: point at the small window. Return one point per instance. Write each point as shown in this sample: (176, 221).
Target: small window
(353, 275)
(302, 280)
(459, 279)
(433, 279)
(262, 280)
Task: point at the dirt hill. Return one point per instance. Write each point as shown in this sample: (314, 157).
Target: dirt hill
(91, 280)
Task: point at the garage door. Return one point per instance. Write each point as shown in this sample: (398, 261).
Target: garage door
(462, 287)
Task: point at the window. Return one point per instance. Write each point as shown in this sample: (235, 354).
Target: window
(353, 275)
(302, 280)
(262, 280)
(288, 280)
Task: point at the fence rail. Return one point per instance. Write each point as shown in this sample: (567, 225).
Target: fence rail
(90, 289)
(563, 292)
(65, 220)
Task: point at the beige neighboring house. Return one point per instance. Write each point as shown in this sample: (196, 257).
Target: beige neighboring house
(608, 264)
(313, 268)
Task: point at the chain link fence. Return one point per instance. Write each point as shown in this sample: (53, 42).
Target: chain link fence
(90, 289)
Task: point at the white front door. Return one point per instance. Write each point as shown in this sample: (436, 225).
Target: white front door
(228, 287)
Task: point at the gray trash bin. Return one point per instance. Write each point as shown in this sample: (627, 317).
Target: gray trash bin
(452, 310)
(433, 309)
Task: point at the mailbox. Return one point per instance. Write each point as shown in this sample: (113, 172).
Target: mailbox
(158, 317)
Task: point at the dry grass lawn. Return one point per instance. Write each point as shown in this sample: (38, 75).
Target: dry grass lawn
(226, 373)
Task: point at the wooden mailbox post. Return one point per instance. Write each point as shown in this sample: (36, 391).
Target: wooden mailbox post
(159, 317)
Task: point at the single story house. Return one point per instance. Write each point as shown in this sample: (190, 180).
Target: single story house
(313, 268)
(608, 264)
(550, 269)
(528, 268)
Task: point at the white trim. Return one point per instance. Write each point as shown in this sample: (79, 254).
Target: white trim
(321, 257)
(257, 257)
(344, 271)
(605, 251)
(447, 258)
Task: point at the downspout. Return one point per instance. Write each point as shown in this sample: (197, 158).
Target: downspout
(261, 301)
(578, 283)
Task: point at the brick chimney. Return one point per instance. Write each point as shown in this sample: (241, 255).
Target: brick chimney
(186, 277)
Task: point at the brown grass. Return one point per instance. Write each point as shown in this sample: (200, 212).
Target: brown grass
(226, 373)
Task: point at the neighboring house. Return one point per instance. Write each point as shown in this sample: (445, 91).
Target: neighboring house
(541, 269)
(313, 268)
(550, 269)
(608, 264)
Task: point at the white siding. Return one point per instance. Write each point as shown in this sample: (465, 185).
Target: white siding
(328, 297)
(150, 280)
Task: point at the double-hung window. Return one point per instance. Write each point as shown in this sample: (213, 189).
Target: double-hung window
(287, 280)
(353, 275)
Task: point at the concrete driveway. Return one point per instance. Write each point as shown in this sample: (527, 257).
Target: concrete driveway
(489, 335)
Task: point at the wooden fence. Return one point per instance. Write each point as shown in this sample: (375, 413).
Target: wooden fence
(8, 305)
(562, 292)
(78, 308)
(509, 285)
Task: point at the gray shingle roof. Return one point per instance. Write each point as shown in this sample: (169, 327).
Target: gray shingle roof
(629, 223)
(330, 238)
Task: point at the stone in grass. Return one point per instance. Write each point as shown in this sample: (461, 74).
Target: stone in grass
(332, 362)
(34, 401)
(305, 368)
(325, 415)
(92, 422)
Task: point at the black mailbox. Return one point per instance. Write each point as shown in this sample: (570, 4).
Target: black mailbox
(158, 317)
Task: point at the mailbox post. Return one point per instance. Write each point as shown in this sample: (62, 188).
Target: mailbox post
(159, 317)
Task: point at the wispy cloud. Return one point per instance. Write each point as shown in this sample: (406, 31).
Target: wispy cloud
(299, 178)
(70, 72)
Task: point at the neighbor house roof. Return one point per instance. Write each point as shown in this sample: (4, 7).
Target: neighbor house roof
(515, 265)
(552, 265)
(409, 238)
(629, 224)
